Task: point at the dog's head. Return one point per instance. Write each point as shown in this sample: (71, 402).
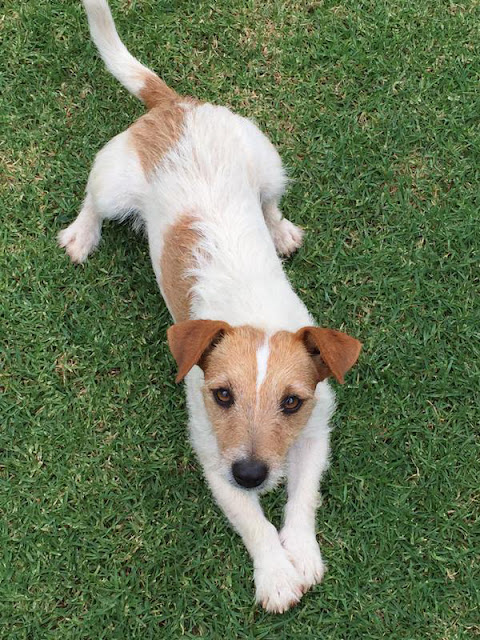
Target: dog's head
(259, 389)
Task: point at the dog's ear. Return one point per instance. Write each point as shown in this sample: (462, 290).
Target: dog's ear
(189, 341)
(333, 352)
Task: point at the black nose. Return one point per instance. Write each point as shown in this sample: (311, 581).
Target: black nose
(249, 473)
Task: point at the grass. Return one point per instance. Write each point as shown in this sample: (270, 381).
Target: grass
(107, 528)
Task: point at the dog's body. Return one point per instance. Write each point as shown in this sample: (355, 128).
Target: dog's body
(206, 184)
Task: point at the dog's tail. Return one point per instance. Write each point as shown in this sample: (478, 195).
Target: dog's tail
(138, 79)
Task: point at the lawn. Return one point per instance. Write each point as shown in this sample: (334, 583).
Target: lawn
(107, 528)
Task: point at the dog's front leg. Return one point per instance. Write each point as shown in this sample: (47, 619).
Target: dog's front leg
(307, 460)
(278, 586)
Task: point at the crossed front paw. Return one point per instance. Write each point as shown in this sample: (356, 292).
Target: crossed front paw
(278, 585)
(304, 553)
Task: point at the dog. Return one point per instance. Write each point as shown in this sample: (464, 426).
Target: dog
(206, 184)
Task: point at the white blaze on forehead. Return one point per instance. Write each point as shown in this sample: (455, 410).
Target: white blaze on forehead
(263, 352)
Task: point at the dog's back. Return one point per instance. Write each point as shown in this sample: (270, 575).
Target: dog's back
(188, 159)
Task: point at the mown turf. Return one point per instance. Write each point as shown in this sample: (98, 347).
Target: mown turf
(107, 529)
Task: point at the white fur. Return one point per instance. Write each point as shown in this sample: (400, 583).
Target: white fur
(227, 173)
(118, 60)
(213, 172)
(263, 353)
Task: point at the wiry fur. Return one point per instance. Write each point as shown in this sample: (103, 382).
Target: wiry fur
(221, 172)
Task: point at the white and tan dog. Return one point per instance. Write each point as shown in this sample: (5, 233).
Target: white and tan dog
(206, 185)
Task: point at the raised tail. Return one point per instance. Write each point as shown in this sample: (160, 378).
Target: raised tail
(138, 79)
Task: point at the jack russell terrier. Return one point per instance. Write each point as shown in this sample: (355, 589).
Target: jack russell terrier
(206, 184)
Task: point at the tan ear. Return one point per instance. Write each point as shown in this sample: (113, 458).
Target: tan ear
(189, 340)
(334, 352)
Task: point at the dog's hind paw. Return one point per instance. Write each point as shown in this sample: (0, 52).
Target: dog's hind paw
(286, 237)
(278, 586)
(79, 239)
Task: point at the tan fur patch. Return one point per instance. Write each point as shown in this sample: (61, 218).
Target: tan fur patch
(156, 132)
(290, 371)
(156, 92)
(233, 365)
(176, 261)
(255, 424)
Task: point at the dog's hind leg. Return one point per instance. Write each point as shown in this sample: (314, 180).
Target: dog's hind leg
(271, 179)
(287, 237)
(114, 190)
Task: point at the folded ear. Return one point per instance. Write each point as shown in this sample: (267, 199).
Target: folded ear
(189, 340)
(333, 352)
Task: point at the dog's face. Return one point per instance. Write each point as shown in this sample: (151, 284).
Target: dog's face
(259, 394)
(259, 389)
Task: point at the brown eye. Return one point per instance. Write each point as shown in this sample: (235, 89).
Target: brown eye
(223, 397)
(291, 404)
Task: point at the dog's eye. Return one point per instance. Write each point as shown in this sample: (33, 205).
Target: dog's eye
(223, 397)
(291, 404)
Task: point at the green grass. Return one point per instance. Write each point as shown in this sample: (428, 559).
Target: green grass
(108, 529)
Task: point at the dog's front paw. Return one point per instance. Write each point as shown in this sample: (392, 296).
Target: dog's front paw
(287, 237)
(304, 553)
(278, 586)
